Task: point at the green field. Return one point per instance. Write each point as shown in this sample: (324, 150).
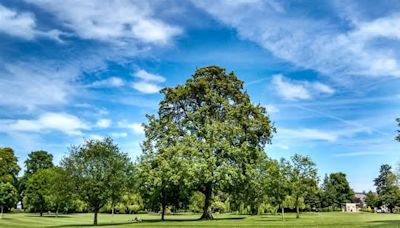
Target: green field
(336, 219)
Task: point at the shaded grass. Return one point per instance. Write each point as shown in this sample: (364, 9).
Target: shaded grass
(328, 219)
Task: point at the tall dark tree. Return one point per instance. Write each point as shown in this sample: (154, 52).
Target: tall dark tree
(337, 190)
(220, 132)
(93, 168)
(9, 168)
(38, 160)
(303, 179)
(386, 188)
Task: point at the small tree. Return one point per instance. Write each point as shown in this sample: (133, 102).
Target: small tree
(37, 194)
(8, 196)
(336, 190)
(93, 168)
(277, 183)
(9, 168)
(38, 160)
(303, 179)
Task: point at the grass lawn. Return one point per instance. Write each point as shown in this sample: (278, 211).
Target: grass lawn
(334, 219)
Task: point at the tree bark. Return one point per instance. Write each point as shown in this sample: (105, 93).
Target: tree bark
(283, 213)
(207, 203)
(163, 211)
(297, 210)
(95, 216)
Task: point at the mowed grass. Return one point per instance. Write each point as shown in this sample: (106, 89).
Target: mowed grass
(334, 219)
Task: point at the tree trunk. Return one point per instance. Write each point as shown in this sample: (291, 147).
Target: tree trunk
(41, 211)
(95, 216)
(57, 212)
(164, 206)
(2, 208)
(207, 203)
(283, 213)
(297, 210)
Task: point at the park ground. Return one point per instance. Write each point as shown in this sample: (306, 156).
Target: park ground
(327, 219)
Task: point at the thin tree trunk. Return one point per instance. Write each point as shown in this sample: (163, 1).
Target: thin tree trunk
(163, 211)
(297, 210)
(41, 211)
(95, 216)
(207, 203)
(2, 208)
(57, 212)
(283, 213)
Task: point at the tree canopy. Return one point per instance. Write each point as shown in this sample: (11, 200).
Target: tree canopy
(9, 168)
(93, 167)
(215, 129)
(38, 160)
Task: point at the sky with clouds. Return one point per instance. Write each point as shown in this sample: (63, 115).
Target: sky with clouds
(328, 72)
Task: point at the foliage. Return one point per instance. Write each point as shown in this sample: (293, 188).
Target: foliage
(196, 202)
(214, 129)
(8, 166)
(8, 196)
(386, 188)
(303, 179)
(398, 131)
(371, 199)
(37, 194)
(336, 190)
(93, 166)
(38, 160)
(277, 186)
(130, 203)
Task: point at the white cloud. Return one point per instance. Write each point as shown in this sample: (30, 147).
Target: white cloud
(119, 135)
(23, 25)
(135, 127)
(148, 82)
(146, 87)
(62, 122)
(111, 20)
(271, 108)
(290, 90)
(146, 76)
(103, 123)
(109, 82)
(299, 90)
(307, 134)
(332, 47)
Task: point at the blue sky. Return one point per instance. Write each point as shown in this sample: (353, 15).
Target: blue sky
(327, 71)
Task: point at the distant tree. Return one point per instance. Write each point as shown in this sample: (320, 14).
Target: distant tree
(60, 190)
(130, 203)
(303, 179)
(38, 160)
(9, 168)
(93, 166)
(371, 199)
(37, 193)
(196, 202)
(336, 190)
(218, 131)
(398, 131)
(386, 188)
(277, 186)
(8, 196)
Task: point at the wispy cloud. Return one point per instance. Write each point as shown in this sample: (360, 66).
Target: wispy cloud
(111, 21)
(61, 122)
(23, 25)
(103, 123)
(299, 90)
(109, 82)
(137, 128)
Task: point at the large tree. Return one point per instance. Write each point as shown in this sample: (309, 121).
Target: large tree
(94, 167)
(38, 160)
(303, 179)
(8, 196)
(220, 133)
(386, 188)
(336, 190)
(8, 166)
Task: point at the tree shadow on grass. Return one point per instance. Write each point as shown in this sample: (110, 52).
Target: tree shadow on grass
(384, 223)
(144, 222)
